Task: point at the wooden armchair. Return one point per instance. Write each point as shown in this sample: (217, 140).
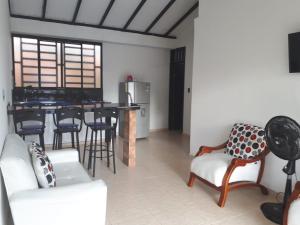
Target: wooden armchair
(291, 212)
(224, 172)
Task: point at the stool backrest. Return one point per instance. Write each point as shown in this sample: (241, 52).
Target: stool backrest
(101, 114)
(74, 114)
(25, 115)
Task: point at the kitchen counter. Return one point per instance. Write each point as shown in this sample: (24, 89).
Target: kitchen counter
(50, 106)
(129, 139)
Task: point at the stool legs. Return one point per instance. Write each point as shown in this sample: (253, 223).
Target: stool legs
(72, 138)
(85, 141)
(78, 146)
(90, 152)
(101, 156)
(95, 153)
(93, 149)
(54, 141)
(107, 153)
(59, 140)
(113, 150)
(42, 140)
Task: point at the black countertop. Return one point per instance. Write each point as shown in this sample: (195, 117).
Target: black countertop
(50, 106)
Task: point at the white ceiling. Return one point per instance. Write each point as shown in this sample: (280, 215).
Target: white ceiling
(91, 12)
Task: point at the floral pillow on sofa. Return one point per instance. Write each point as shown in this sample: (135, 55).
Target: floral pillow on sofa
(246, 141)
(42, 166)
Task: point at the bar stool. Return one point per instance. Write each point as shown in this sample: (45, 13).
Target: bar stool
(67, 120)
(34, 116)
(104, 120)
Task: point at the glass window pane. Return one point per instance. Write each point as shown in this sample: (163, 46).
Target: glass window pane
(48, 56)
(98, 55)
(98, 78)
(73, 65)
(29, 55)
(28, 62)
(88, 66)
(30, 70)
(47, 43)
(73, 58)
(88, 59)
(48, 48)
(29, 47)
(48, 71)
(60, 62)
(17, 51)
(18, 81)
(45, 63)
(29, 40)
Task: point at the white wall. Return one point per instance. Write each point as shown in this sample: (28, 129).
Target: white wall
(146, 64)
(5, 84)
(185, 38)
(241, 71)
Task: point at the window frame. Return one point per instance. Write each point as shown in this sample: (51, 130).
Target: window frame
(55, 39)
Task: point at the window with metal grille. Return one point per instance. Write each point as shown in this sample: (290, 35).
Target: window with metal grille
(47, 62)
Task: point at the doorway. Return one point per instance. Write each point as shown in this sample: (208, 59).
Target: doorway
(176, 89)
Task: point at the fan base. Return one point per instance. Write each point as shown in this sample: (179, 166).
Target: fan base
(273, 212)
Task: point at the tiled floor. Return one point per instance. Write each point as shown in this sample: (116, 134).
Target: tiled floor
(155, 191)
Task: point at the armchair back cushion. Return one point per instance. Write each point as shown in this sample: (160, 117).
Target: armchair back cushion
(246, 141)
(16, 166)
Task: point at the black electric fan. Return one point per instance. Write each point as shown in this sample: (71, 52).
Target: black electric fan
(283, 139)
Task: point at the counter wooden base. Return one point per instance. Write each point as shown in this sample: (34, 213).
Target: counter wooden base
(129, 148)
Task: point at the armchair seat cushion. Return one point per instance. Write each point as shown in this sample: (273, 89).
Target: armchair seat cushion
(294, 215)
(70, 173)
(213, 166)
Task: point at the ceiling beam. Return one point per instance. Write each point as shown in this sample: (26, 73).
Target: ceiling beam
(195, 6)
(44, 9)
(165, 9)
(91, 25)
(76, 11)
(138, 8)
(106, 12)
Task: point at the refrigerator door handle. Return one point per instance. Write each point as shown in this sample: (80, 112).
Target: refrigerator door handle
(143, 112)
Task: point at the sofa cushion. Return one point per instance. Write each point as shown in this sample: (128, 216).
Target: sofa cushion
(16, 166)
(69, 173)
(43, 168)
(213, 166)
(246, 141)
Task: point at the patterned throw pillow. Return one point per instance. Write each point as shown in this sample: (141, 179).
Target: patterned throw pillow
(246, 141)
(43, 168)
(35, 146)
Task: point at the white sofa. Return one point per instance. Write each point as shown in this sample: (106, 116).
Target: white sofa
(76, 199)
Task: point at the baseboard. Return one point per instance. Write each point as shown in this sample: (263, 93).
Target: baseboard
(158, 130)
(186, 134)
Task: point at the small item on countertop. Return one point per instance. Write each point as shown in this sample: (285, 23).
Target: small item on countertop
(129, 77)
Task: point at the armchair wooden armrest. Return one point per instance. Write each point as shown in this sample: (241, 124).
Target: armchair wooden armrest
(295, 195)
(205, 149)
